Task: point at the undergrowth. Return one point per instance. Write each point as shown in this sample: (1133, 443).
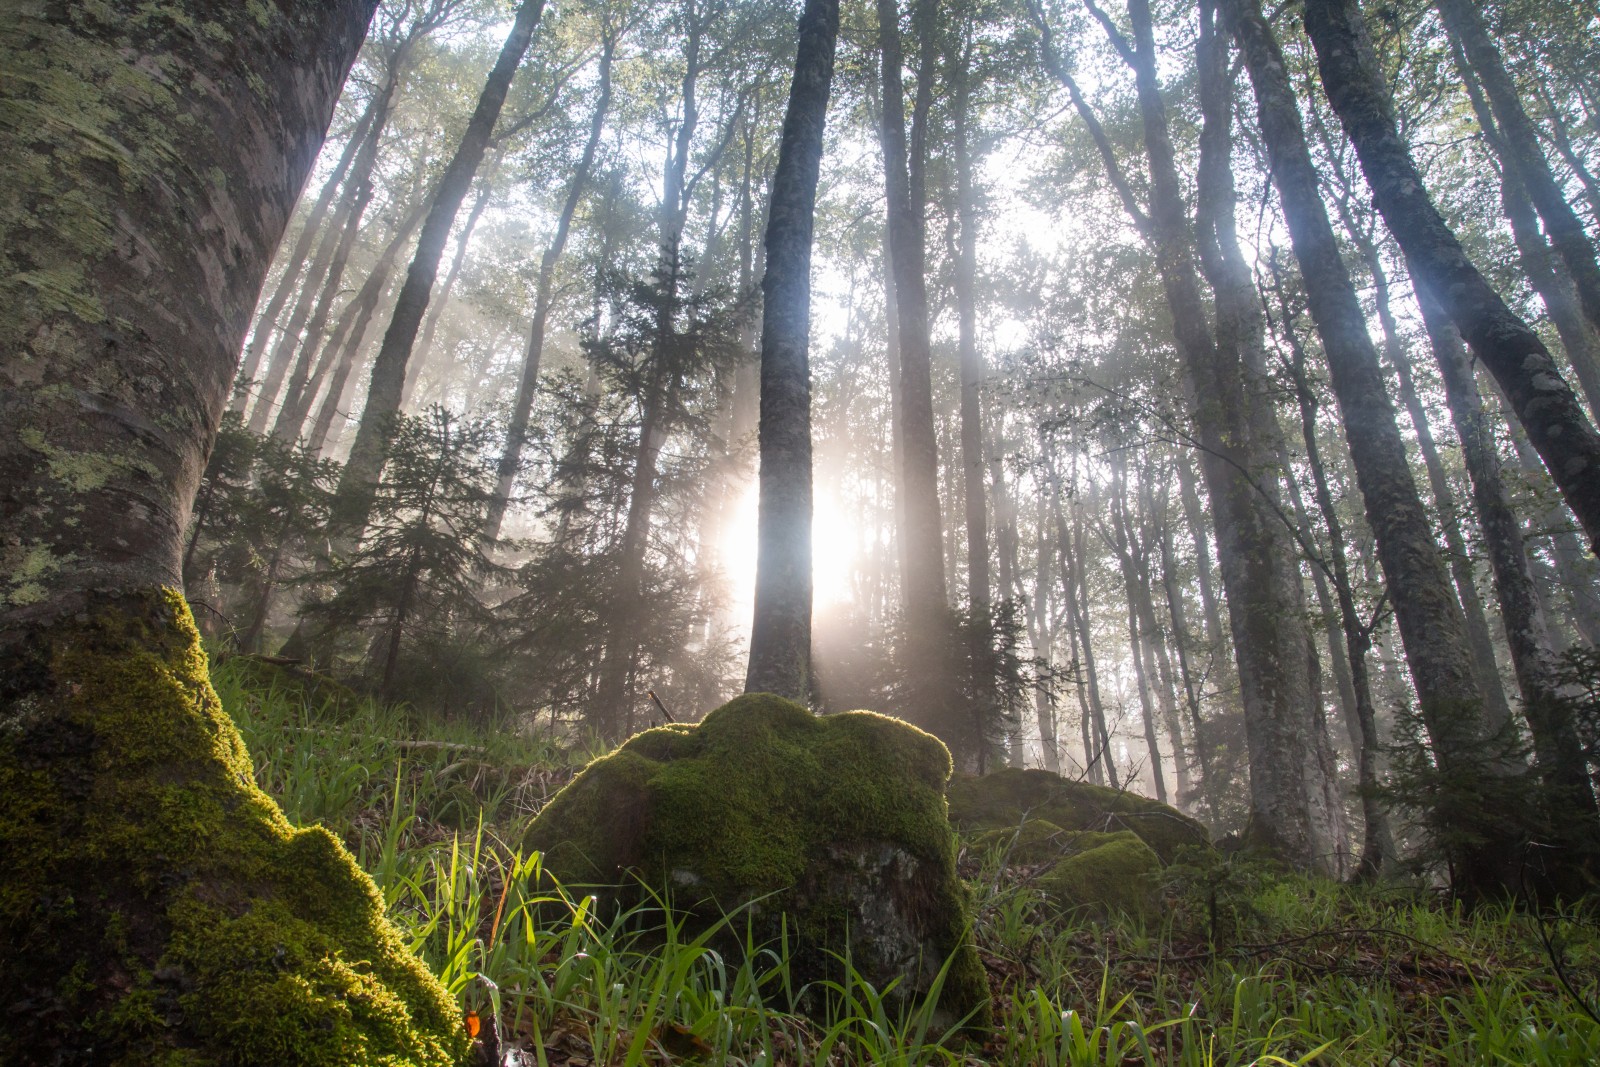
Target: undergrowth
(1247, 966)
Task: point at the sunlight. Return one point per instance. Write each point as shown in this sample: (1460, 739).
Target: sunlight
(834, 553)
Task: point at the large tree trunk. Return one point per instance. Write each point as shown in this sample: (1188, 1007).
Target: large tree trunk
(150, 171)
(1514, 354)
(780, 637)
(528, 385)
(1427, 613)
(362, 469)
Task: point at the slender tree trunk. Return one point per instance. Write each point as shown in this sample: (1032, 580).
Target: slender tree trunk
(1294, 807)
(1578, 335)
(1569, 796)
(527, 388)
(292, 412)
(267, 320)
(150, 172)
(436, 308)
(1484, 663)
(338, 357)
(922, 578)
(361, 471)
(1514, 354)
(780, 638)
(1378, 849)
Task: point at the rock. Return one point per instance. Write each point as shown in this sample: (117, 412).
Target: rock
(837, 822)
(1002, 799)
(1104, 872)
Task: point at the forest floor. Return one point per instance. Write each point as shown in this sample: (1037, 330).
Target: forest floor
(1244, 966)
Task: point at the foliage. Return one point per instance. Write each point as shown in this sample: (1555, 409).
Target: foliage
(419, 567)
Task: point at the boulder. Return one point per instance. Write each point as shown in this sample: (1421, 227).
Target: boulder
(837, 823)
(1003, 799)
(1103, 872)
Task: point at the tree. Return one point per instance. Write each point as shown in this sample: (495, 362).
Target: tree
(153, 171)
(422, 558)
(1429, 616)
(389, 369)
(780, 641)
(1545, 405)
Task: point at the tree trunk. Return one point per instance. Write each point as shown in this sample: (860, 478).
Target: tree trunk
(1427, 613)
(361, 472)
(1519, 143)
(436, 308)
(151, 170)
(522, 408)
(1578, 336)
(780, 637)
(1544, 403)
(1294, 807)
(267, 320)
(1574, 818)
(339, 355)
(923, 585)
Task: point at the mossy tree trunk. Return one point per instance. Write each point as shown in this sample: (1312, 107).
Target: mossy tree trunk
(153, 899)
(780, 637)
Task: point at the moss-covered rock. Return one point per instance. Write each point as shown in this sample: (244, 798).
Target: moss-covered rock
(1002, 799)
(837, 822)
(156, 907)
(1104, 872)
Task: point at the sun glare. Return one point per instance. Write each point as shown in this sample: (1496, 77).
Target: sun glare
(834, 549)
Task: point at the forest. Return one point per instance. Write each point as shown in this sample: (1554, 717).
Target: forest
(799, 532)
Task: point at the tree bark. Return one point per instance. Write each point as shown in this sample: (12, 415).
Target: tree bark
(1427, 613)
(150, 171)
(1544, 403)
(1523, 154)
(1294, 807)
(1569, 797)
(359, 481)
(1578, 336)
(780, 637)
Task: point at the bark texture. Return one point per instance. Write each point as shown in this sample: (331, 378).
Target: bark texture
(150, 171)
(780, 639)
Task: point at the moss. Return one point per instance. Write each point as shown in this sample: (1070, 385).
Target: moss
(1104, 872)
(764, 798)
(1002, 799)
(1035, 841)
(157, 906)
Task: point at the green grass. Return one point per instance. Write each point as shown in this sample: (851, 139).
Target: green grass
(1245, 968)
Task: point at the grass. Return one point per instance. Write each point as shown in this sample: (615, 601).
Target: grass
(1248, 967)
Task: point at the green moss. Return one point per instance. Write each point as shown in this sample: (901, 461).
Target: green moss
(1105, 872)
(1002, 799)
(1035, 841)
(758, 799)
(156, 903)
